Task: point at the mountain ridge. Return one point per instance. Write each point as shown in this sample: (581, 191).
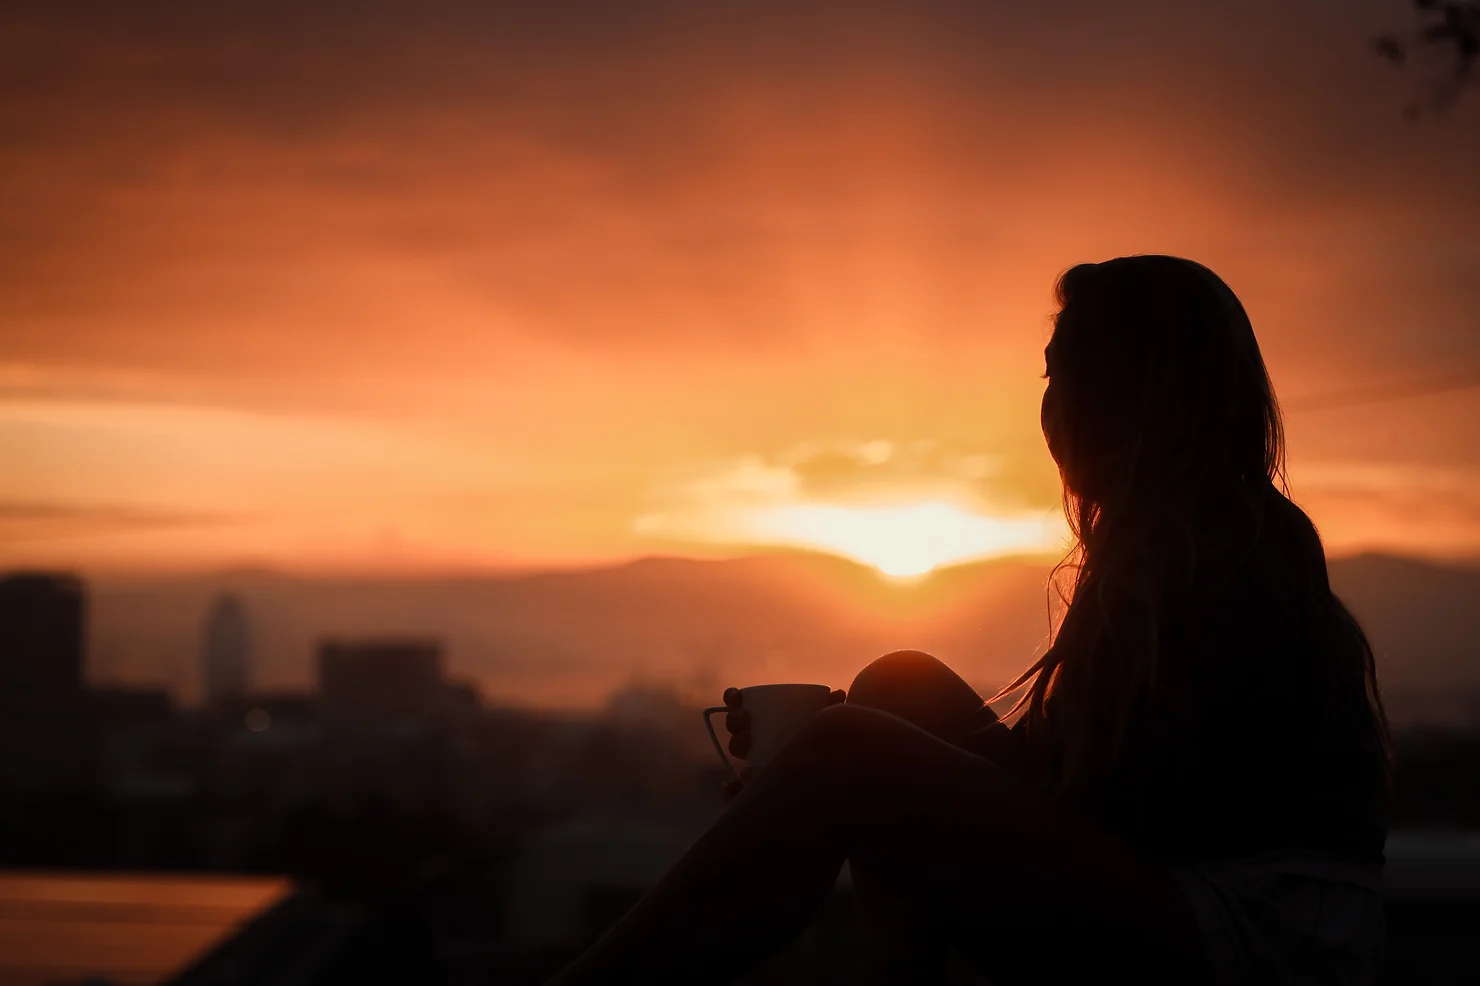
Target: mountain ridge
(570, 637)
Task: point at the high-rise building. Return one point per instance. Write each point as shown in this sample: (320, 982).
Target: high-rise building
(226, 660)
(46, 735)
(41, 638)
(376, 683)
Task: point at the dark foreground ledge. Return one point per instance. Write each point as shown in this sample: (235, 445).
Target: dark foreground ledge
(499, 920)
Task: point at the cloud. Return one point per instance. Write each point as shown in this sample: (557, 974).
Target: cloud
(883, 469)
(905, 508)
(220, 187)
(1392, 506)
(581, 241)
(1380, 478)
(43, 521)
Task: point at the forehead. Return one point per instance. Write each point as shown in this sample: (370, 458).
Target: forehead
(1067, 336)
(1062, 348)
(1054, 345)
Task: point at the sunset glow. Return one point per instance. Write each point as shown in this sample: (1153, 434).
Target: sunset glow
(709, 293)
(907, 540)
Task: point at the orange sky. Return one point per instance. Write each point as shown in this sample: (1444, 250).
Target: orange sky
(440, 286)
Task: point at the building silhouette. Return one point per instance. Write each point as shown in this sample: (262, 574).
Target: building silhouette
(375, 684)
(46, 741)
(42, 619)
(226, 658)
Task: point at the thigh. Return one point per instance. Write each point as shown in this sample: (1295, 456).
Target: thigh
(899, 941)
(990, 859)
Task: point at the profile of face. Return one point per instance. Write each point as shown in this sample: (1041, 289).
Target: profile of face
(1050, 412)
(1078, 413)
(1154, 378)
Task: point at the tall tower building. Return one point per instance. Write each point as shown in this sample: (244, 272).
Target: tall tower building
(377, 683)
(227, 658)
(46, 739)
(41, 639)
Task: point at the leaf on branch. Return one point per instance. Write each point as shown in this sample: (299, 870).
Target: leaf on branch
(1448, 29)
(1389, 47)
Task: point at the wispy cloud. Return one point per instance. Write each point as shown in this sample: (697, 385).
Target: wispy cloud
(1392, 506)
(41, 521)
(904, 509)
(1389, 478)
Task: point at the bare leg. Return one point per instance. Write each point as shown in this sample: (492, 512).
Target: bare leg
(899, 941)
(942, 824)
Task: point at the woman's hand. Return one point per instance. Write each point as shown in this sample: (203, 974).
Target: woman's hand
(737, 723)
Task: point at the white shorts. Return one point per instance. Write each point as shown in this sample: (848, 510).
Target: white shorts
(1284, 919)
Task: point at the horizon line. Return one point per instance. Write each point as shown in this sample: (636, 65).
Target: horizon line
(538, 569)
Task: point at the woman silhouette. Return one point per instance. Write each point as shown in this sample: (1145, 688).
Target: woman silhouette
(1193, 786)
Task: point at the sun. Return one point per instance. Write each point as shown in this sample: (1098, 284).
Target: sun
(905, 540)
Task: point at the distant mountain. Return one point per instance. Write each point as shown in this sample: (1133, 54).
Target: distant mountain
(1424, 623)
(570, 638)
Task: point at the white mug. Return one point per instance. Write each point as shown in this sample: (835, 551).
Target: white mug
(777, 713)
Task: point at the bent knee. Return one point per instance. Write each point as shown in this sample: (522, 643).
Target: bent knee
(915, 686)
(900, 667)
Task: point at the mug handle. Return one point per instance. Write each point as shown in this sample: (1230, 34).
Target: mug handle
(709, 725)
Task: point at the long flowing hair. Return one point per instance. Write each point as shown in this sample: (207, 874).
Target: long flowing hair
(1169, 440)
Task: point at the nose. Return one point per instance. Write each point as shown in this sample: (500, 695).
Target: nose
(1048, 418)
